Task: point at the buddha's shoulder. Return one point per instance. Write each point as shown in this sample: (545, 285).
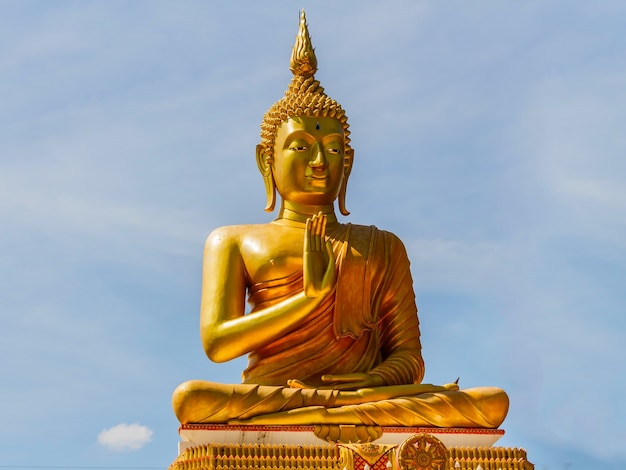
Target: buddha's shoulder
(369, 231)
(238, 234)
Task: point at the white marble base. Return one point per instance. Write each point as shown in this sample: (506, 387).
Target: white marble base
(199, 434)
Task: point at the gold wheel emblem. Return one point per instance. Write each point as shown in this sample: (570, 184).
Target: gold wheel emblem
(422, 452)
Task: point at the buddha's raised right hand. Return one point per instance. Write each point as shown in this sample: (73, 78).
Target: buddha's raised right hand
(318, 258)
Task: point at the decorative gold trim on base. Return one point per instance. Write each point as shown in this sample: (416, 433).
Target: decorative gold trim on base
(489, 458)
(419, 452)
(346, 434)
(257, 456)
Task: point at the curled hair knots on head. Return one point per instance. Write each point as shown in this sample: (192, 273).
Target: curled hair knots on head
(304, 96)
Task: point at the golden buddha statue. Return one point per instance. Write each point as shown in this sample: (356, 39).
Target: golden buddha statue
(333, 336)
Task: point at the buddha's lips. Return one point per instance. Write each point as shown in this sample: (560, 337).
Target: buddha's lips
(317, 175)
(317, 180)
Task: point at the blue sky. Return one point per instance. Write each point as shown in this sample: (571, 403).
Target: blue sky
(488, 135)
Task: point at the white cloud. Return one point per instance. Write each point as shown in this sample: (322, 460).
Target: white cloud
(125, 437)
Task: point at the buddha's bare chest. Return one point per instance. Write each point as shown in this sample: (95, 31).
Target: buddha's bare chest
(272, 254)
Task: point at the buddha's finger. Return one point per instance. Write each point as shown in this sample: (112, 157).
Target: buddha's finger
(316, 232)
(308, 235)
(312, 223)
(320, 220)
(313, 234)
(294, 383)
(345, 378)
(321, 230)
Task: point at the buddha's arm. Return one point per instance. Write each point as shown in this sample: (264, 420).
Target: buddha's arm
(399, 326)
(225, 331)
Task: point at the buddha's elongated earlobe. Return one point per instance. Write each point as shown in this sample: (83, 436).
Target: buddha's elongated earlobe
(347, 168)
(264, 162)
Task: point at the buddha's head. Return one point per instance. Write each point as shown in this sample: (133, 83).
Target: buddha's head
(305, 150)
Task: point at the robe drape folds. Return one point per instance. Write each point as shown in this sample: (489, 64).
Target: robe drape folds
(367, 324)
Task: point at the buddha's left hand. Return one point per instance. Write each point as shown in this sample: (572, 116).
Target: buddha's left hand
(352, 381)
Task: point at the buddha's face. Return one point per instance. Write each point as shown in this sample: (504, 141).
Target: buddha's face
(308, 165)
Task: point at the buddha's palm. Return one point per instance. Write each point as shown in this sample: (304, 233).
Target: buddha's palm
(318, 259)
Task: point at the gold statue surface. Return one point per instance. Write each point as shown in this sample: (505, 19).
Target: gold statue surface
(333, 335)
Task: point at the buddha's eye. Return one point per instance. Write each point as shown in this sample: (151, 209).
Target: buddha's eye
(334, 151)
(298, 148)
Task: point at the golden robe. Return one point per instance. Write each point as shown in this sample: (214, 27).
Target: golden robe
(367, 324)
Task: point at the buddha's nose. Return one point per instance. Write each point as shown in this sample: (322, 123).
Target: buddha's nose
(319, 157)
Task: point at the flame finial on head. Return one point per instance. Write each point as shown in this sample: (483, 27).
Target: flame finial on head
(304, 96)
(303, 60)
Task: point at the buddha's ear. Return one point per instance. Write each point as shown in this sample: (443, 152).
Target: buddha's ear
(347, 169)
(264, 162)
